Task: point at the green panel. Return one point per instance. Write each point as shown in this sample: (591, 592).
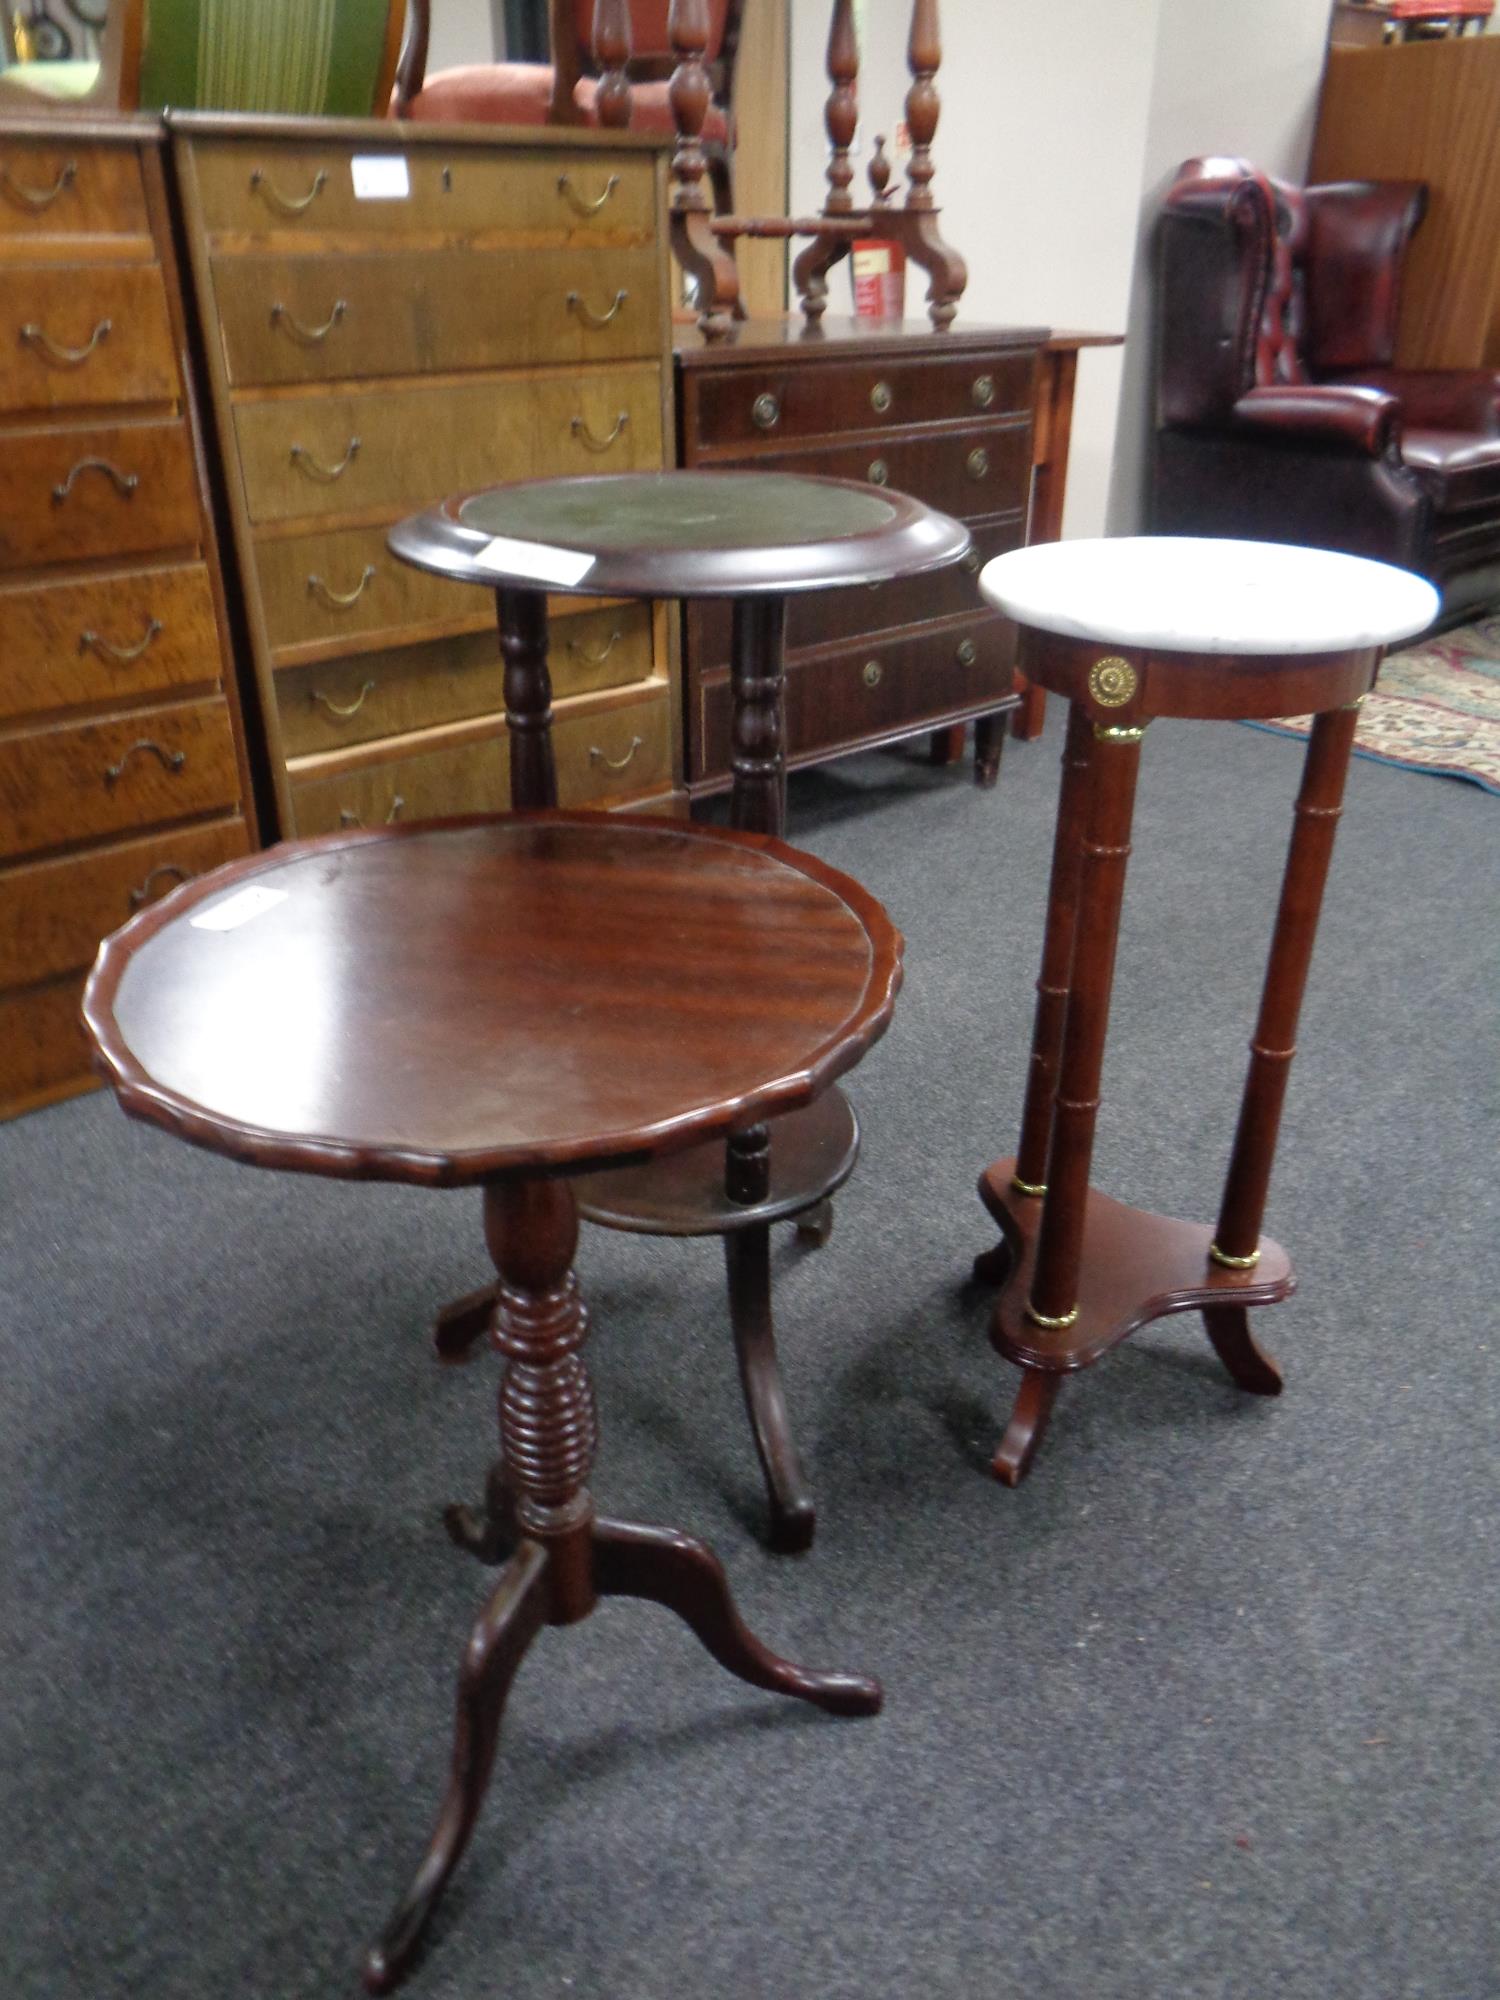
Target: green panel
(305, 57)
(699, 510)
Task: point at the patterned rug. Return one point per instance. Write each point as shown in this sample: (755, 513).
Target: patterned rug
(1436, 707)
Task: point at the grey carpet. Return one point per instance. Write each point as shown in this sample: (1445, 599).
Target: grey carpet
(1209, 1708)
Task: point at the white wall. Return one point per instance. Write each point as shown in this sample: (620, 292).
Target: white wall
(1060, 124)
(463, 31)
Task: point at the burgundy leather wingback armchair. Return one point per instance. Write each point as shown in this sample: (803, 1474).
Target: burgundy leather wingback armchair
(1279, 414)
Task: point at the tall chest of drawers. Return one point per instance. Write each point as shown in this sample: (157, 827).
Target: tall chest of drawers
(122, 762)
(394, 313)
(946, 417)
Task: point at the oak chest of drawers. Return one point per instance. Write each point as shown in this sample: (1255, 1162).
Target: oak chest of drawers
(391, 314)
(945, 417)
(122, 760)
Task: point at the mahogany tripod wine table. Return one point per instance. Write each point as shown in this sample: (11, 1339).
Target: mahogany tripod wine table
(1128, 631)
(507, 1002)
(755, 538)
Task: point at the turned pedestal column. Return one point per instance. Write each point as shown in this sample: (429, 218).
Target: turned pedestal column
(1130, 631)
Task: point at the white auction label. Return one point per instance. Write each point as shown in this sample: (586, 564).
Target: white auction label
(238, 909)
(537, 562)
(380, 177)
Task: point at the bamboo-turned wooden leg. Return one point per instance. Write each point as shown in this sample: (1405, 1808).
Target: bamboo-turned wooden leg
(685, 1575)
(811, 266)
(1110, 777)
(708, 265)
(1236, 1244)
(548, 1435)
(1029, 1179)
(1114, 760)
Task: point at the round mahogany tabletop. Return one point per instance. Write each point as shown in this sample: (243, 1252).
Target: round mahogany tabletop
(680, 534)
(449, 1003)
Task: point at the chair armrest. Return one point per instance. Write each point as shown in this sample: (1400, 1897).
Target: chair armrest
(1365, 419)
(1443, 399)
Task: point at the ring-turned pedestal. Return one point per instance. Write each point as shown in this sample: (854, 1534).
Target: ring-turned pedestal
(1128, 631)
(508, 1003)
(755, 538)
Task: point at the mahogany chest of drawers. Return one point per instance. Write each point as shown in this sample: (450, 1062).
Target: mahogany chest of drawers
(391, 314)
(122, 760)
(946, 417)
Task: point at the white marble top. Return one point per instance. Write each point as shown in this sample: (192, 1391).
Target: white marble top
(1187, 594)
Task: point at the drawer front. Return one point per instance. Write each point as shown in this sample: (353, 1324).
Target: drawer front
(337, 318)
(825, 617)
(404, 448)
(260, 190)
(107, 491)
(322, 589)
(44, 1052)
(72, 189)
(336, 702)
(969, 474)
(592, 650)
(110, 639)
(80, 336)
(613, 751)
(53, 913)
(831, 398)
(71, 783)
(432, 784)
(872, 692)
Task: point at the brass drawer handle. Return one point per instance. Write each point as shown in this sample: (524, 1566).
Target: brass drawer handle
(765, 412)
(872, 673)
(125, 483)
(593, 442)
(53, 350)
(340, 600)
(576, 201)
(308, 336)
(172, 760)
(881, 398)
(347, 818)
(595, 659)
(966, 652)
(978, 463)
(879, 473)
(164, 870)
(352, 708)
(580, 311)
(286, 204)
(597, 756)
(324, 474)
(93, 642)
(982, 391)
(38, 198)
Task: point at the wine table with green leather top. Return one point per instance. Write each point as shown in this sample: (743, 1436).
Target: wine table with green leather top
(755, 539)
(1130, 631)
(506, 1002)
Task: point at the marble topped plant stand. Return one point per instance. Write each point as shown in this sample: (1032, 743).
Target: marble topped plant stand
(1129, 631)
